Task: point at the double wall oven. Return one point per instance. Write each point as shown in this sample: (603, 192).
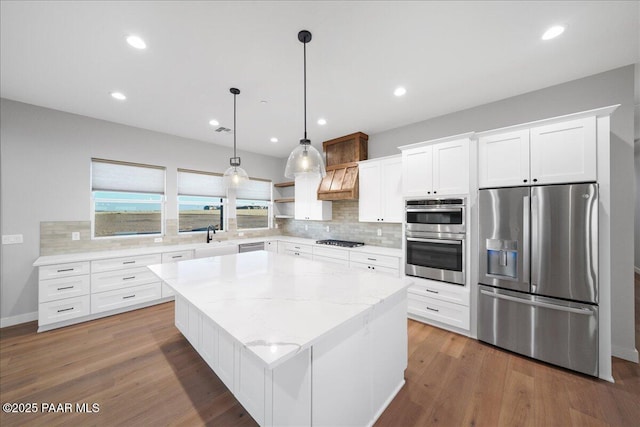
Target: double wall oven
(435, 239)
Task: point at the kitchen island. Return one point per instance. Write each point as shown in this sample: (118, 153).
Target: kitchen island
(298, 342)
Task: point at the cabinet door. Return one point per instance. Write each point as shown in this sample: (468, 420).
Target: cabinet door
(392, 203)
(370, 192)
(301, 196)
(564, 152)
(504, 159)
(451, 167)
(417, 171)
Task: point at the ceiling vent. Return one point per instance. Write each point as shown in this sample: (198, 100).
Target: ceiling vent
(343, 155)
(223, 129)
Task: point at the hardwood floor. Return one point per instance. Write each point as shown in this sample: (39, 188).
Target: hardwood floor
(140, 371)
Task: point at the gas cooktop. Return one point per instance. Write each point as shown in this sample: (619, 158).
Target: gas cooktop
(342, 243)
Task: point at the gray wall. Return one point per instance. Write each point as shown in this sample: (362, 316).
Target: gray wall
(600, 90)
(45, 167)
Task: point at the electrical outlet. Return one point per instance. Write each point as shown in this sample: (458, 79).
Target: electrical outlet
(306, 227)
(277, 225)
(75, 235)
(157, 240)
(327, 228)
(11, 239)
(379, 232)
(240, 234)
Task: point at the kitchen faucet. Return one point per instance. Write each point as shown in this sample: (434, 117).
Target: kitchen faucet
(209, 235)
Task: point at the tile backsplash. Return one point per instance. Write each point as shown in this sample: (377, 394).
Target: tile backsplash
(55, 236)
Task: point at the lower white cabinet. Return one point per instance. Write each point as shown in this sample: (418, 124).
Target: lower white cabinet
(174, 256)
(375, 263)
(119, 298)
(63, 310)
(330, 260)
(439, 303)
(271, 246)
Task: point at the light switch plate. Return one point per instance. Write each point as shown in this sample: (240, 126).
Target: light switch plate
(11, 239)
(75, 235)
(379, 232)
(157, 240)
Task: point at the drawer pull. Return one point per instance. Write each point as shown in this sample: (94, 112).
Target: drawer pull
(433, 292)
(128, 262)
(66, 287)
(176, 256)
(65, 309)
(129, 278)
(65, 269)
(433, 309)
(296, 247)
(129, 296)
(372, 259)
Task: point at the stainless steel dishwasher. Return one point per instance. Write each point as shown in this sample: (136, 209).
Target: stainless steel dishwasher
(250, 247)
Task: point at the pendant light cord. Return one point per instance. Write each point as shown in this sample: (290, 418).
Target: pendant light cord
(305, 88)
(234, 125)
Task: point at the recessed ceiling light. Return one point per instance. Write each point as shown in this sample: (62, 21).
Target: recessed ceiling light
(136, 42)
(119, 96)
(553, 32)
(274, 139)
(322, 122)
(214, 122)
(399, 91)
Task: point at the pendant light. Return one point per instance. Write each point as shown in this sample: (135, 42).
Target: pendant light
(235, 176)
(304, 158)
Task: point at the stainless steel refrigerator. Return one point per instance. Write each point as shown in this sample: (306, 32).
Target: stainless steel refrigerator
(538, 273)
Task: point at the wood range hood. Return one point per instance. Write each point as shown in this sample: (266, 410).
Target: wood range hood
(343, 155)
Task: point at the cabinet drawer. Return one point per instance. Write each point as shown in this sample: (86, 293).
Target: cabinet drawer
(441, 311)
(330, 260)
(304, 255)
(110, 280)
(124, 262)
(331, 253)
(58, 311)
(296, 247)
(449, 293)
(375, 268)
(119, 298)
(63, 287)
(374, 259)
(63, 270)
(176, 256)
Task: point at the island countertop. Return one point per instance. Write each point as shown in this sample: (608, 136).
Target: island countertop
(278, 305)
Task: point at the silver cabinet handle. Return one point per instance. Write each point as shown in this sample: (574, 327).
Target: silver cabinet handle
(129, 296)
(65, 309)
(433, 292)
(372, 259)
(433, 309)
(129, 278)
(65, 287)
(586, 311)
(176, 256)
(128, 262)
(65, 269)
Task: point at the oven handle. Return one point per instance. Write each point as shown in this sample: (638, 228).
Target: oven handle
(453, 242)
(447, 209)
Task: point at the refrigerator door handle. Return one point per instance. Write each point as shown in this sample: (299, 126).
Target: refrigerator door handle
(525, 237)
(535, 250)
(585, 310)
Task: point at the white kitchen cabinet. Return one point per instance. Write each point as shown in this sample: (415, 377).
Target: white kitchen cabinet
(307, 205)
(63, 292)
(331, 255)
(381, 190)
(556, 153)
(442, 304)
(564, 152)
(504, 159)
(375, 263)
(438, 167)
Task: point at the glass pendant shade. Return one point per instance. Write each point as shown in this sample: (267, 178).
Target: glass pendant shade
(234, 177)
(304, 159)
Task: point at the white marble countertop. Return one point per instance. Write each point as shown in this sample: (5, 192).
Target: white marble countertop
(90, 256)
(277, 305)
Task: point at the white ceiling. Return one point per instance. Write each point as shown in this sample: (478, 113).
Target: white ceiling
(449, 55)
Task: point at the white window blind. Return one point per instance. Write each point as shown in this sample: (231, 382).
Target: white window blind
(195, 183)
(109, 175)
(254, 189)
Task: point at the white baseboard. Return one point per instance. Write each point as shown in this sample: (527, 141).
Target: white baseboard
(630, 354)
(20, 318)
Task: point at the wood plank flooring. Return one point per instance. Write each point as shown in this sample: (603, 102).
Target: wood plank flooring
(140, 371)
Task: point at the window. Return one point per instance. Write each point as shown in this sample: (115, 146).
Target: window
(127, 198)
(200, 201)
(253, 204)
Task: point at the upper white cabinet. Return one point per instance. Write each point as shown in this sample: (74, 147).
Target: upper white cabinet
(554, 153)
(381, 190)
(439, 167)
(307, 205)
